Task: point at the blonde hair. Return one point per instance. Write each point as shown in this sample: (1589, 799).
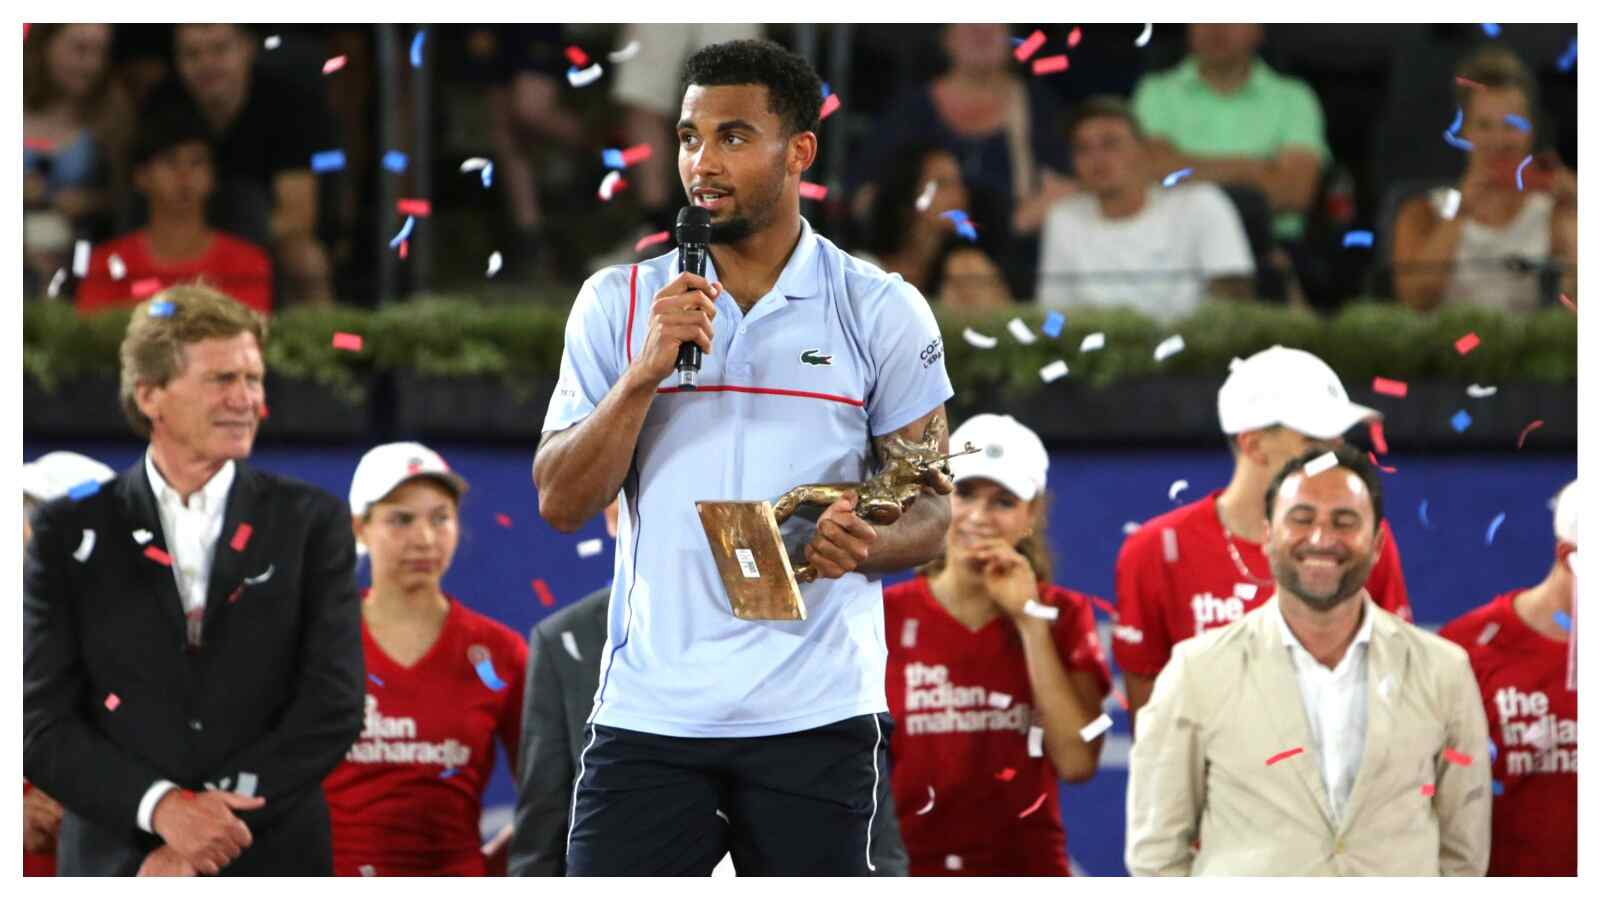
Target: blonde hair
(1032, 547)
(152, 351)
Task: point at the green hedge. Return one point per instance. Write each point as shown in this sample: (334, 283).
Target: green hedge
(458, 337)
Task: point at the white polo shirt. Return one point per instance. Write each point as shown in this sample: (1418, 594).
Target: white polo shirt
(791, 393)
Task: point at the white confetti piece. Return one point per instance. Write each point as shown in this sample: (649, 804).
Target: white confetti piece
(80, 259)
(1019, 330)
(571, 644)
(1488, 633)
(247, 784)
(908, 633)
(925, 199)
(1169, 545)
(1321, 464)
(272, 42)
(584, 77)
(1040, 611)
(952, 863)
(473, 164)
(608, 185)
(118, 269)
(591, 547)
(1144, 36)
(999, 699)
(1092, 342)
(56, 282)
(263, 578)
(1130, 527)
(495, 262)
(142, 536)
(1053, 371)
(1244, 591)
(1094, 729)
(1177, 488)
(85, 546)
(723, 816)
(1478, 391)
(1172, 346)
(366, 871)
(981, 341)
(625, 54)
(929, 807)
(1035, 741)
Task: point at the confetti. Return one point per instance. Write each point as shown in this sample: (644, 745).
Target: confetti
(1034, 807)
(1497, 787)
(999, 699)
(1144, 36)
(1458, 758)
(112, 702)
(142, 535)
(1245, 591)
(485, 669)
(413, 206)
(1053, 371)
(145, 287)
(1536, 423)
(396, 162)
(1494, 526)
(118, 268)
(1375, 430)
(1492, 29)
(417, 43)
(1040, 611)
(84, 489)
(375, 679)
(333, 65)
(1358, 239)
(1172, 346)
(343, 340)
(1455, 124)
(543, 590)
(829, 107)
(1422, 514)
(327, 161)
(1567, 302)
(952, 863)
(1049, 65)
(1461, 421)
(1074, 36)
(1563, 619)
(611, 158)
(1019, 330)
(85, 545)
(448, 772)
(929, 807)
(1461, 144)
(591, 547)
(810, 191)
(1387, 470)
(1177, 488)
(1029, 47)
(59, 279)
(157, 555)
(1103, 606)
(577, 57)
(405, 232)
(1175, 177)
(1094, 729)
(579, 78)
(638, 153)
(241, 537)
(925, 199)
(1478, 391)
(473, 164)
(1321, 464)
(1005, 774)
(1518, 122)
(1276, 758)
(1053, 323)
(1569, 58)
(272, 42)
(1092, 342)
(367, 871)
(826, 90)
(503, 520)
(610, 184)
(625, 54)
(1035, 742)
(405, 249)
(908, 633)
(80, 258)
(570, 643)
(1129, 527)
(981, 341)
(651, 240)
(1484, 637)
(495, 262)
(1169, 545)
(1520, 166)
(1427, 790)
(1389, 386)
(1494, 751)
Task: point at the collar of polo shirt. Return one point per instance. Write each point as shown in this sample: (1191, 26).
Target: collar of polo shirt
(799, 278)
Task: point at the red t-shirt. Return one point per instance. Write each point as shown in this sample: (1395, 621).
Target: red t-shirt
(1533, 722)
(1176, 578)
(962, 707)
(407, 797)
(36, 864)
(232, 265)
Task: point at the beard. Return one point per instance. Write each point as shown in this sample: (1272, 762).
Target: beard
(1351, 582)
(762, 210)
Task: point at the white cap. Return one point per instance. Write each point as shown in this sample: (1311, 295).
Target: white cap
(387, 466)
(1009, 454)
(1567, 514)
(1288, 387)
(53, 474)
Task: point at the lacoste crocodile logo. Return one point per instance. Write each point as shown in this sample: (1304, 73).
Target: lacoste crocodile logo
(815, 357)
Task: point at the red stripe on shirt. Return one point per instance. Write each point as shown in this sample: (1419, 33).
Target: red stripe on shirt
(633, 284)
(781, 392)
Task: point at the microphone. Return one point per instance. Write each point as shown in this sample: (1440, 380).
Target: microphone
(694, 237)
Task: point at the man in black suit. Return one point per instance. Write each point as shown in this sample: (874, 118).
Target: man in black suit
(191, 632)
(563, 672)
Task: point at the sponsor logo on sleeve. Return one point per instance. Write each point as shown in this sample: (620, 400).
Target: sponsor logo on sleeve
(933, 352)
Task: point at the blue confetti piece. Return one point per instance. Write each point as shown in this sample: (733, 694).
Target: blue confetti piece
(1492, 29)
(375, 679)
(1462, 144)
(1520, 166)
(1518, 122)
(84, 489)
(966, 230)
(826, 90)
(416, 48)
(405, 232)
(1494, 751)
(162, 309)
(1563, 619)
(1422, 513)
(327, 161)
(449, 772)
(486, 674)
(1494, 525)
(1017, 42)
(1497, 787)
(487, 175)
(612, 157)
(1176, 177)
(395, 161)
(1052, 324)
(1358, 239)
(1455, 125)
(1569, 58)
(955, 215)
(1461, 421)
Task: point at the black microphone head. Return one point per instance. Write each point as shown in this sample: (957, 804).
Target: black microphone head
(694, 226)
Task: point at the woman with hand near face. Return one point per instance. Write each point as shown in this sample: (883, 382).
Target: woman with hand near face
(443, 682)
(993, 674)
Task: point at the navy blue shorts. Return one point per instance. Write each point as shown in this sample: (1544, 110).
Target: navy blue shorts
(789, 804)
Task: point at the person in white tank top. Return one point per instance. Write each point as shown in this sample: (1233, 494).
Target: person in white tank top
(1484, 242)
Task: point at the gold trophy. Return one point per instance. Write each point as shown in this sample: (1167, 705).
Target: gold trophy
(761, 581)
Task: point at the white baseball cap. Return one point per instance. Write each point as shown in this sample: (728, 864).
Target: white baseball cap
(1288, 387)
(1566, 524)
(1009, 454)
(387, 466)
(54, 474)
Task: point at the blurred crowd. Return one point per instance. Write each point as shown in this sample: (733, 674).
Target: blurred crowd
(1101, 166)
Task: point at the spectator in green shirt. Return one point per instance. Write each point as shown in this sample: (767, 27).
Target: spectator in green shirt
(1232, 119)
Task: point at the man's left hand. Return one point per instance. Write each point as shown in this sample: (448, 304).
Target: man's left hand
(164, 862)
(843, 540)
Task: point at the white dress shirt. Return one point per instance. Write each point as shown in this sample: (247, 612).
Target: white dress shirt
(191, 530)
(1336, 708)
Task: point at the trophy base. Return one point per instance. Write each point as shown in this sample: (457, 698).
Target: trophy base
(750, 556)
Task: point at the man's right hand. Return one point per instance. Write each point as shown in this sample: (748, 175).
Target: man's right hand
(202, 828)
(681, 311)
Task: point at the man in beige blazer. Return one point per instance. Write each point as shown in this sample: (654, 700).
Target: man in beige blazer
(1318, 735)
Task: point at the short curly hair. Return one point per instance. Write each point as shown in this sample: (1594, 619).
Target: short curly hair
(794, 92)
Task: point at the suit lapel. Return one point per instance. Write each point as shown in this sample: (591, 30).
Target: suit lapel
(229, 566)
(1386, 664)
(1279, 690)
(138, 502)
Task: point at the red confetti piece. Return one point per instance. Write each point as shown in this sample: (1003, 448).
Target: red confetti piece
(1567, 302)
(1389, 386)
(112, 702)
(1457, 757)
(39, 145)
(144, 287)
(241, 537)
(405, 249)
(830, 105)
(1467, 82)
(577, 57)
(1047, 65)
(413, 206)
(503, 520)
(264, 412)
(1074, 36)
(1376, 430)
(1280, 757)
(158, 555)
(333, 65)
(813, 191)
(1033, 808)
(1467, 343)
(1030, 46)
(638, 153)
(543, 590)
(650, 240)
(1005, 774)
(1121, 700)
(343, 340)
(1536, 423)
(1427, 790)
(24, 30)
(1104, 607)
(1387, 470)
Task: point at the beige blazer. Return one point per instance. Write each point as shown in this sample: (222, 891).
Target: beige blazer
(1229, 700)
